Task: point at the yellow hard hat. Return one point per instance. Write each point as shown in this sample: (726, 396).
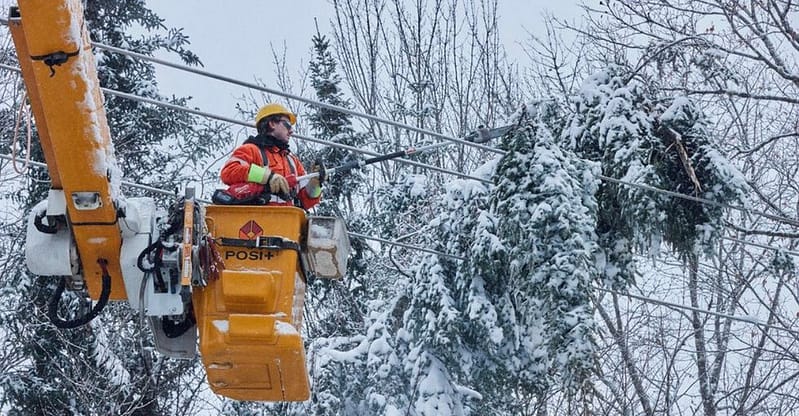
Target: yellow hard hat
(272, 109)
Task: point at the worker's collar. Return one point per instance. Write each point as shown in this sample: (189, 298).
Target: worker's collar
(265, 140)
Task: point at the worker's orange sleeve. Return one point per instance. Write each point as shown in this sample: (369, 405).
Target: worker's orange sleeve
(237, 167)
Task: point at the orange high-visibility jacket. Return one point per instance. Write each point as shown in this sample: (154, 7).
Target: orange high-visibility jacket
(281, 161)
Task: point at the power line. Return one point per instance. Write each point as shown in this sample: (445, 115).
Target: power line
(374, 118)
(745, 319)
(419, 130)
(294, 97)
(234, 121)
(461, 258)
(309, 101)
(435, 168)
(182, 67)
(126, 183)
(357, 235)
(408, 246)
(168, 193)
(645, 299)
(777, 218)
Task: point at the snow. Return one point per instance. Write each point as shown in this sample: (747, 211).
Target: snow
(324, 263)
(418, 185)
(223, 325)
(285, 328)
(96, 127)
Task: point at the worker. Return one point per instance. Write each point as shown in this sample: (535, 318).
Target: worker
(266, 160)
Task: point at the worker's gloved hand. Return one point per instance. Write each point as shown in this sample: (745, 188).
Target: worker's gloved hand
(277, 184)
(314, 187)
(317, 181)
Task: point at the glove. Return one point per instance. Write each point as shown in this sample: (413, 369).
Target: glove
(314, 187)
(318, 180)
(278, 185)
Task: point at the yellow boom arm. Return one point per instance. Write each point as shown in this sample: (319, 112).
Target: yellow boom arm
(61, 78)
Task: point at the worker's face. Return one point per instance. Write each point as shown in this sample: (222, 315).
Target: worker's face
(282, 129)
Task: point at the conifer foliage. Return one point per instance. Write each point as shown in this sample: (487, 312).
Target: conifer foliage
(533, 253)
(332, 125)
(644, 139)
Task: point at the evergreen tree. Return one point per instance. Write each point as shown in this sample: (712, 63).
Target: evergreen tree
(457, 336)
(334, 126)
(533, 252)
(337, 200)
(664, 143)
(153, 144)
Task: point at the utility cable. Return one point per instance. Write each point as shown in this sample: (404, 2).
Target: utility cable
(126, 183)
(309, 101)
(415, 129)
(778, 218)
(645, 299)
(673, 194)
(357, 235)
(170, 193)
(455, 173)
(745, 319)
(234, 121)
(406, 126)
(408, 246)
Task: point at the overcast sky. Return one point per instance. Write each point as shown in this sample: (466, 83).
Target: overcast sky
(233, 40)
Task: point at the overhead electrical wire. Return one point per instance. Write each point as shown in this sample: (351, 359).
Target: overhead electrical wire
(234, 121)
(374, 118)
(461, 258)
(294, 97)
(309, 101)
(169, 193)
(357, 235)
(380, 120)
(344, 110)
(745, 319)
(645, 299)
(230, 120)
(777, 218)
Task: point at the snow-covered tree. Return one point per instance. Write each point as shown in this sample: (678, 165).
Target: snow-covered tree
(642, 139)
(334, 126)
(534, 256)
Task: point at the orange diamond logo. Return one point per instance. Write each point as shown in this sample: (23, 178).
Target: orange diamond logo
(250, 231)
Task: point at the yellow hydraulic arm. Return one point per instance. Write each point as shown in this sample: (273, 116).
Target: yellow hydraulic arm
(60, 74)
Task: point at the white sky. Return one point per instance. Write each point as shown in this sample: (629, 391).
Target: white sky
(234, 40)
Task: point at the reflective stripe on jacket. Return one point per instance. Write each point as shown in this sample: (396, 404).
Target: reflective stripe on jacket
(281, 161)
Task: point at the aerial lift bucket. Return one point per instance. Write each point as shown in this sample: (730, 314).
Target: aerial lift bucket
(250, 317)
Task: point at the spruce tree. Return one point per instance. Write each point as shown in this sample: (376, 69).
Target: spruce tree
(533, 252)
(644, 139)
(334, 126)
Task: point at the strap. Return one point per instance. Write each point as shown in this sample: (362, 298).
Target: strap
(264, 159)
(292, 166)
(267, 242)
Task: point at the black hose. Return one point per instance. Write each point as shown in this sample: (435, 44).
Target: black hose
(42, 227)
(155, 250)
(52, 306)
